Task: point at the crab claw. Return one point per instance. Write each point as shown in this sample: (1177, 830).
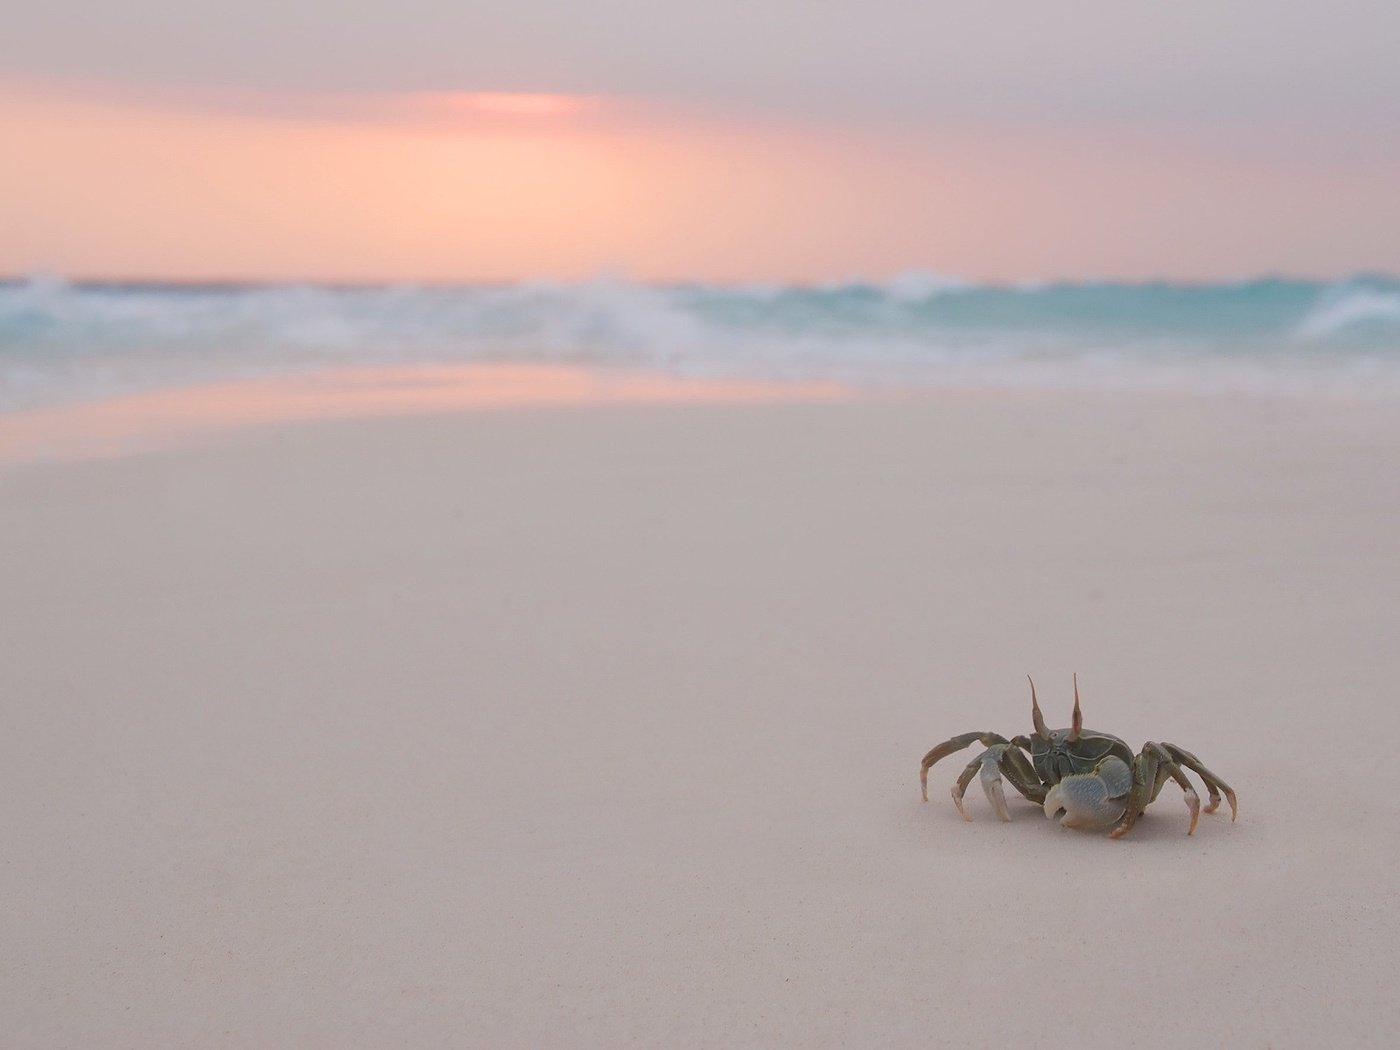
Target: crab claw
(1091, 800)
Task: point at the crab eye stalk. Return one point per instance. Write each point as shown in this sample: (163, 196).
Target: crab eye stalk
(1036, 717)
(1077, 723)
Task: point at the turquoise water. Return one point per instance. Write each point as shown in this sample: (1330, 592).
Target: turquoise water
(62, 341)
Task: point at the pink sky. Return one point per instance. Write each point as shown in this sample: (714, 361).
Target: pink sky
(447, 186)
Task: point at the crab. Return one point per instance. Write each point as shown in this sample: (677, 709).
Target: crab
(1081, 778)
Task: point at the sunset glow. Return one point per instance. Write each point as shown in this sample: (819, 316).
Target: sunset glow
(120, 425)
(466, 186)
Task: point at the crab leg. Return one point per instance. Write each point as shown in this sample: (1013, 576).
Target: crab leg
(991, 780)
(1021, 773)
(1151, 769)
(960, 786)
(1214, 785)
(997, 759)
(949, 747)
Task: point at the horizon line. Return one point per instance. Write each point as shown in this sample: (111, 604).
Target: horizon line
(940, 281)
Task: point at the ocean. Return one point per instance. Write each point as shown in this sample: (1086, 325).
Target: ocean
(63, 342)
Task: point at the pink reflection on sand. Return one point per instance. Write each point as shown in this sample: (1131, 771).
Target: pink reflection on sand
(122, 425)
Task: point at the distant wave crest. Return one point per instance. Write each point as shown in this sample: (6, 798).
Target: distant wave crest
(61, 340)
(1348, 307)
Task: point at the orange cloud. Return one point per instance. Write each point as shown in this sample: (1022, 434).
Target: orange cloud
(504, 103)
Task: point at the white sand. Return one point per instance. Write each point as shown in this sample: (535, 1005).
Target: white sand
(582, 727)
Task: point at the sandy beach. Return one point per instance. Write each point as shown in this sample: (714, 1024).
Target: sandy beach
(600, 725)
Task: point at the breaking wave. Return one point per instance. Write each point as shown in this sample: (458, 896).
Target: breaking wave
(62, 341)
(1349, 308)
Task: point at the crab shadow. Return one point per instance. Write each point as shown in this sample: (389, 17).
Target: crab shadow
(1029, 820)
